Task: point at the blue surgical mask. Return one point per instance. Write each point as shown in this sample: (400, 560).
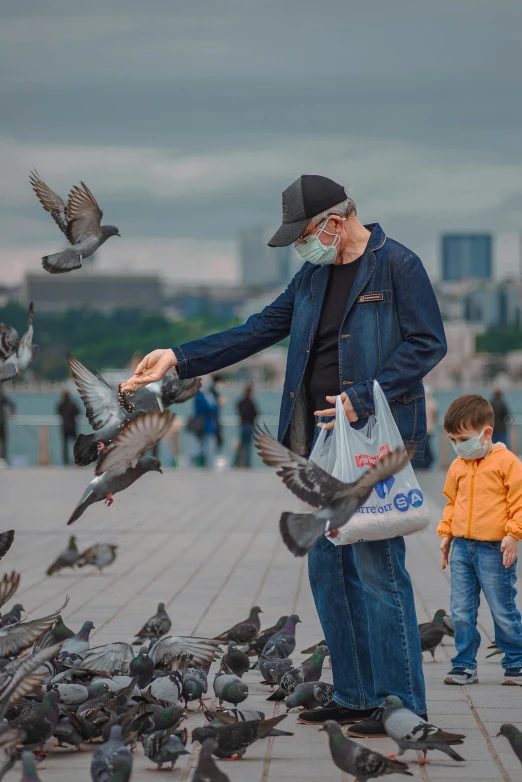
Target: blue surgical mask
(314, 251)
(471, 449)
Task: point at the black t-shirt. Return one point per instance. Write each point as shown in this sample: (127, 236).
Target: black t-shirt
(324, 359)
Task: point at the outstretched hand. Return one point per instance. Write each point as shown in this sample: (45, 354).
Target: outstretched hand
(151, 369)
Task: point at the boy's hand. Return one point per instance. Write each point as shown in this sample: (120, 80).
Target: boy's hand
(445, 545)
(509, 548)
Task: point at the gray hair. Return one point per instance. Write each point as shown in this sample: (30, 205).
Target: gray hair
(344, 209)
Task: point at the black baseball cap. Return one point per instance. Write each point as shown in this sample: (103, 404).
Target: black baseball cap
(305, 198)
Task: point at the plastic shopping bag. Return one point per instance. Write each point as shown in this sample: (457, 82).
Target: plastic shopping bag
(395, 506)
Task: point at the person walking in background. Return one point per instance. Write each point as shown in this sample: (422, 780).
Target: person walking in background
(502, 418)
(206, 410)
(67, 411)
(432, 410)
(216, 387)
(247, 415)
(7, 409)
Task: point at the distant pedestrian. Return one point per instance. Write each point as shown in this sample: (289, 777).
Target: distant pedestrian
(432, 410)
(67, 411)
(247, 416)
(206, 410)
(7, 409)
(216, 387)
(502, 418)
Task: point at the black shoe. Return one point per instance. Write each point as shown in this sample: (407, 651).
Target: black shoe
(371, 728)
(333, 711)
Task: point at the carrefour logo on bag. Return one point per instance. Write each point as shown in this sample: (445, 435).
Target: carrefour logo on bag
(413, 499)
(367, 460)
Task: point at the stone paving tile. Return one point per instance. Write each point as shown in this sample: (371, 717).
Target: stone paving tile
(208, 546)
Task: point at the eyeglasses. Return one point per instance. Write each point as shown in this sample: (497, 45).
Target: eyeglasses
(305, 236)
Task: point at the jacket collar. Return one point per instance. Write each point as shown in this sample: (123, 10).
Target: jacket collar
(377, 238)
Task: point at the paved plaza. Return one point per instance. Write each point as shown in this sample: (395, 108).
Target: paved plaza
(208, 546)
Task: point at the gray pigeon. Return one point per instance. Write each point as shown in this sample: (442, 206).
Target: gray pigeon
(282, 643)
(13, 617)
(230, 688)
(206, 770)
(273, 668)
(101, 555)
(172, 651)
(142, 667)
(67, 733)
(309, 695)
(36, 724)
(79, 219)
(309, 671)
(409, 731)
(167, 688)
(258, 644)
(16, 638)
(112, 762)
(244, 631)
(359, 761)
(78, 644)
(16, 354)
(121, 465)
(29, 773)
(226, 716)
(514, 736)
(496, 650)
(165, 746)
(235, 661)
(56, 635)
(195, 684)
(155, 627)
(432, 633)
(66, 558)
(334, 500)
(235, 738)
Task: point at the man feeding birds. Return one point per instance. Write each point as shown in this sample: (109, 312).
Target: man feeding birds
(361, 308)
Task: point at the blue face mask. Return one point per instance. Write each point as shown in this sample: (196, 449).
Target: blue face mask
(314, 251)
(471, 449)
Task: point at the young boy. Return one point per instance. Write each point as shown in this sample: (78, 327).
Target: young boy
(482, 524)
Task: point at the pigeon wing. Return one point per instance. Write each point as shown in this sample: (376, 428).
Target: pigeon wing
(304, 478)
(386, 467)
(9, 341)
(8, 586)
(141, 435)
(84, 215)
(109, 658)
(174, 390)
(15, 638)
(50, 201)
(8, 370)
(17, 678)
(6, 541)
(88, 555)
(101, 402)
(172, 649)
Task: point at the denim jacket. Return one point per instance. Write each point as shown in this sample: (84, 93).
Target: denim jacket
(392, 331)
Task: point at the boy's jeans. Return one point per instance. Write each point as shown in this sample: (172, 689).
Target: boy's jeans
(477, 565)
(364, 599)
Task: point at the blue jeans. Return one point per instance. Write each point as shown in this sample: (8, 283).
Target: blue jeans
(364, 598)
(476, 565)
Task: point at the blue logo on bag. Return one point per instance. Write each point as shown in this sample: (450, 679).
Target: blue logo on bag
(401, 502)
(384, 487)
(415, 498)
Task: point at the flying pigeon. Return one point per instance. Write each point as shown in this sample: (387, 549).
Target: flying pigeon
(245, 631)
(359, 761)
(16, 354)
(6, 541)
(155, 627)
(16, 638)
(206, 770)
(234, 739)
(165, 746)
(173, 651)
(514, 736)
(257, 645)
(100, 555)
(235, 661)
(309, 695)
(335, 501)
(79, 219)
(309, 671)
(230, 688)
(112, 762)
(66, 558)
(410, 731)
(282, 643)
(121, 465)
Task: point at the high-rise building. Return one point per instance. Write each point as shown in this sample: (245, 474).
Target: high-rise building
(467, 256)
(263, 266)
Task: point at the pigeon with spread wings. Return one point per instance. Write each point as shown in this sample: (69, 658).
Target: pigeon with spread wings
(334, 501)
(79, 219)
(16, 353)
(122, 464)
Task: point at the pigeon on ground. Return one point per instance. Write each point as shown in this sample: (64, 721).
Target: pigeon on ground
(312, 648)
(142, 667)
(101, 555)
(195, 685)
(72, 694)
(121, 465)
(234, 739)
(282, 643)
(29, 773)
(226, 716)
(235, 661)
(167, 689)
(334, 500)
(79, 644)
(172, 652)
(16, 354)
(432, 633)
(309, 695)
(37, 724)
(13, 617)
(257, 645)
(66, 558)
(56, 635)
(8, 586)
(66, 733)
(448, 624)
(16, 638)
(409, 731)
(245, 631)
(79, 219)
(514, 736)
(6, 541)
(273, 668)
(496, 650)
(206, 770)
(112, 762)
(359, 761)
(309, 671)
(164, 746)
(155, 627)
(230, 688)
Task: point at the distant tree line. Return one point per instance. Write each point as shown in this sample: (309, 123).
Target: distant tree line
(101, 339)
(499, 341)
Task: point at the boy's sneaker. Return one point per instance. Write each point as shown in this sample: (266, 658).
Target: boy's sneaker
(462, 676)
(513, 677)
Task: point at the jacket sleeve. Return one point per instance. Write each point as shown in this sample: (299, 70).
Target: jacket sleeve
(450, 492)
(424, 342)
(513, 484)
(206, 355)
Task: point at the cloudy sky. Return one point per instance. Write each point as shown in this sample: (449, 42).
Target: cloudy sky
(187, 120)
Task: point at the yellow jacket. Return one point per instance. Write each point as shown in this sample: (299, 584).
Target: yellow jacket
(484, 498)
